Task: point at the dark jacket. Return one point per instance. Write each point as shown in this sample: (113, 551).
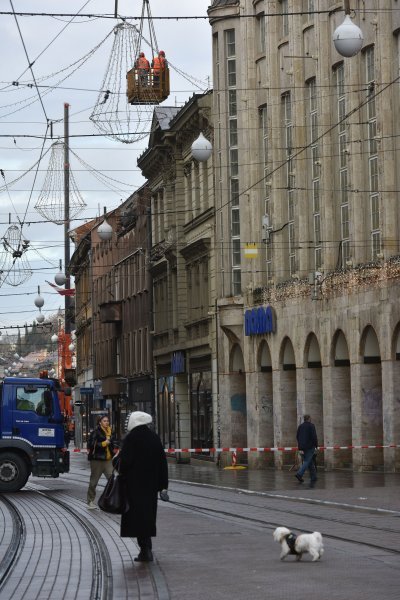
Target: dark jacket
(307, 436)
(144, 465)
(95, 445)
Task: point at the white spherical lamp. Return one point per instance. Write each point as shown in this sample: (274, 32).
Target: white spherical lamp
(201, 149)
(60, 278)
(348, 38)
(54, 338)
(39, 317)
(39, 301)
(71, 347)
(104, 231)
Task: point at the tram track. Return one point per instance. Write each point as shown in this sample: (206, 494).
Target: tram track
(102, 581)
(100, 531)
(12, 553)
(271, 525)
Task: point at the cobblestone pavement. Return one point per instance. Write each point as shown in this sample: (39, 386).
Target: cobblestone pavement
(214, 539)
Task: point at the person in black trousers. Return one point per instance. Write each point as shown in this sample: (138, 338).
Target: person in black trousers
(307, 443)
(143, 464)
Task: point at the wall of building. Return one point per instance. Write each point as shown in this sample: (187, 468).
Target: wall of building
(317, 156)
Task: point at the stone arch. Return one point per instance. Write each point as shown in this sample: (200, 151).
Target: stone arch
(313, 390)
(264, 413)
(238, 403)
(371, 399)
(340, 383)
(286, 422)
(236, 360)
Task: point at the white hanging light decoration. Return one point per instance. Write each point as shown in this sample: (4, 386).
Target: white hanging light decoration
(71, 347)
(60, 278)
(39, 317)
(348, 38)
(54, 338)
(39, 301)
(201, 149)
(105, 230)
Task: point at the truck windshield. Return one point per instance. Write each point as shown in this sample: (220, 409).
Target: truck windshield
(38, 400)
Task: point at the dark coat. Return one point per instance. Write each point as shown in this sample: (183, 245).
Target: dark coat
(144, 465)
(96, 450)
(307, 436)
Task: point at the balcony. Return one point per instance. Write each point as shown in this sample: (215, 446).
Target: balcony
(111, 312)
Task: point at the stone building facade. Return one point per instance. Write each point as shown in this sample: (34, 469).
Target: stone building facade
(306, 176)
(114, 310)
(182, 265)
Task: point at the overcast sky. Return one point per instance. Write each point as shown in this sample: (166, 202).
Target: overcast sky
(56, 47)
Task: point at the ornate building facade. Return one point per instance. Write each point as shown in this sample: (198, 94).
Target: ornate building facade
(182, 265)
(307, 180)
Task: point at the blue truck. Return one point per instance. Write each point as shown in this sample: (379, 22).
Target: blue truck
(31, 431)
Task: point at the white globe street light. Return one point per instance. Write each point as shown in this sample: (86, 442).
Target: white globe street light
(201, 149)
(39, 317)
(60, 277)
(348, 38)
(104, 230)
(39, 301)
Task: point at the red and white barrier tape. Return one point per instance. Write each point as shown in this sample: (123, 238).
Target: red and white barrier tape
(273, 449)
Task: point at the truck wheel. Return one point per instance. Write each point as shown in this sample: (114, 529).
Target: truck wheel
(14, 472)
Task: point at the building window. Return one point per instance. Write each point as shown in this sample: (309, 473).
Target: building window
(374, 204)
(315, 171)
(264, 130)
(261, 33)
(233, 160)
(290, 179)
(285, 17)
(343, 165)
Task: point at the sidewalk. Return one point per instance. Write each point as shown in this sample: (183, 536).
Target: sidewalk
(376, 490)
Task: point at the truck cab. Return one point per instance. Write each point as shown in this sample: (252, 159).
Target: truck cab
(31, 432)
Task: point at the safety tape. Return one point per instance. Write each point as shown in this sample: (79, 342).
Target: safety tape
(273, 449)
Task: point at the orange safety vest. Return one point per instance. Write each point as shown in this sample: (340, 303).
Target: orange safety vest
(158, 64)
(142, 63)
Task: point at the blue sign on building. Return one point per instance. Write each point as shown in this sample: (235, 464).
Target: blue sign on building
(258, 321)
(177, 363)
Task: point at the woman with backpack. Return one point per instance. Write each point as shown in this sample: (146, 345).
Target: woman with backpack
(101, 449)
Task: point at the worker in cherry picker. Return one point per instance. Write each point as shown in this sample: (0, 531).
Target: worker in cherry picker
(142, 66)
(159, 64)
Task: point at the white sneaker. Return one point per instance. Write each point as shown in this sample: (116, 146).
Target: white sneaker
(91, 506)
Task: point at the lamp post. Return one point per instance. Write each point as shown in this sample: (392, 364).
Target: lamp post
(348, 38)
(201, 149)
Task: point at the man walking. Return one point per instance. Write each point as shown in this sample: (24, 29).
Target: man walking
(307, 443)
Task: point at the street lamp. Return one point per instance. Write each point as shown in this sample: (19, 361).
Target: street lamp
(201, 149)
(39, 301)
(60, 277)
(348, 38)
(104, 230)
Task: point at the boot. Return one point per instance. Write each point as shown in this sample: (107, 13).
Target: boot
(145, 554)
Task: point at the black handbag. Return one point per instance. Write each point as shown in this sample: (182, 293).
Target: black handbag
(114, 498)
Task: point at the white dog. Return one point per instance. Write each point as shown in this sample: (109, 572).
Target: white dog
(305, 542)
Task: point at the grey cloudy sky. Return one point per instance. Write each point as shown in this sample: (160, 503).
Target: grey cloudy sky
(54, 44)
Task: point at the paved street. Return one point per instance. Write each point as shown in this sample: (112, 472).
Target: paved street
(214, 539)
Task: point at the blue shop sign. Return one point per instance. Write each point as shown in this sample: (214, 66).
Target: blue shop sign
(258, 321)
(177, 363)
